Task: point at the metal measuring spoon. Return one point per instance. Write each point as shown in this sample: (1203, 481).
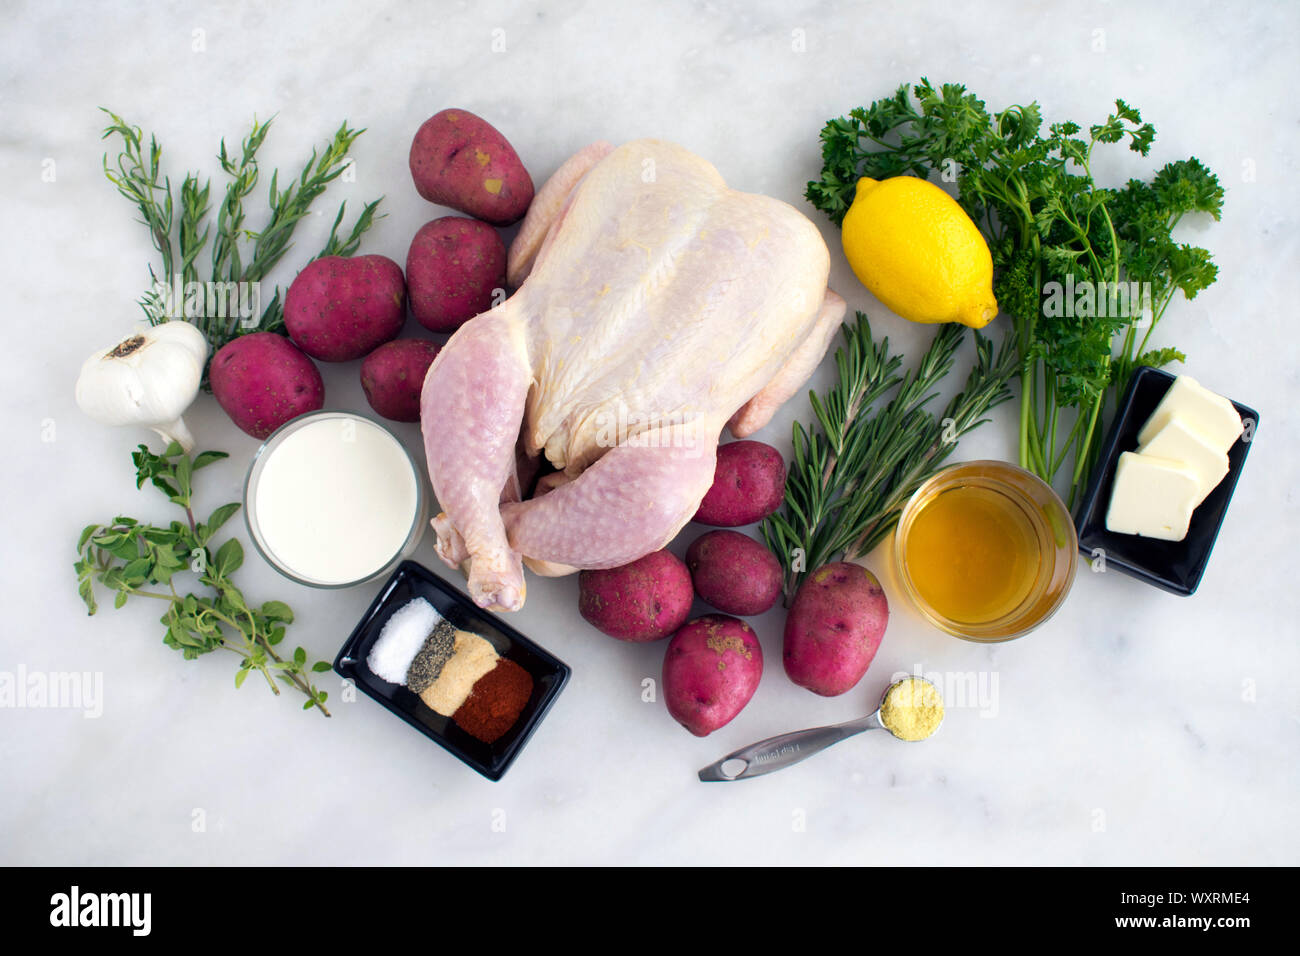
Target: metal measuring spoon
(777, 753)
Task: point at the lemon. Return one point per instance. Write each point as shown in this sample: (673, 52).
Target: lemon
(911, 244)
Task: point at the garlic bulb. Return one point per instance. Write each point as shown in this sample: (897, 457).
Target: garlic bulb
(149, 378)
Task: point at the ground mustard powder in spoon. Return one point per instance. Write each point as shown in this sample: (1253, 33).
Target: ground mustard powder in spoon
(912, 710)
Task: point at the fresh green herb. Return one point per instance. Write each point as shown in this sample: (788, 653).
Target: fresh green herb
(239, 255)
(130, 558)
(853, 472)
(1085, 272)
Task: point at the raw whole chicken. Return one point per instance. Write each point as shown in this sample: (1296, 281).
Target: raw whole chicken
(654, 307)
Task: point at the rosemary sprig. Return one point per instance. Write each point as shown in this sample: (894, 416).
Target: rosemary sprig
(853, 472)
(239, 254)
(132, 559)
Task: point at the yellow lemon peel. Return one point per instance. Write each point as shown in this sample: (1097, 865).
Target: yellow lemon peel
(915, 248)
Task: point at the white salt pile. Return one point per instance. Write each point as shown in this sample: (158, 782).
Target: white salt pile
(401, 639)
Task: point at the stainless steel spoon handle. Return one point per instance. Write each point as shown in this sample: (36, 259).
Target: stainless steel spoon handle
(776, 753)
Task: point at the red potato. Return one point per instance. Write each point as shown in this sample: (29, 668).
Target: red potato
(262, 380)
(338, 309)
(461, 161)
(748, 485)
(393, 374)
(453, 269)
(834, 628)
(733, 572)
(643, 601)
(711, 669)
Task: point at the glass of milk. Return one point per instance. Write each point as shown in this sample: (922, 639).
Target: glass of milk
(333, 499)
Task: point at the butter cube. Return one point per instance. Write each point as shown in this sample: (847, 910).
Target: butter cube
(1152, 497)
(1209, 413)
(1180, 441)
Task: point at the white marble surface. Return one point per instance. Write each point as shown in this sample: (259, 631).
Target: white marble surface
(1136, 727)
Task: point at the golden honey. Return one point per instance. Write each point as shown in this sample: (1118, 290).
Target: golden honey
(972, 554)
(985, 550)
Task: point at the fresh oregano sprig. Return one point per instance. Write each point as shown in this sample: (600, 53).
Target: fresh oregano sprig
(855, 469)
(239, 254)
(138, 560)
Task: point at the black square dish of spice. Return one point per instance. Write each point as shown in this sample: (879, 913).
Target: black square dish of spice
(543, 675)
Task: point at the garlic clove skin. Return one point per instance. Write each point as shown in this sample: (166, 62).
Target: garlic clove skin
(149, 378)
(176, 432)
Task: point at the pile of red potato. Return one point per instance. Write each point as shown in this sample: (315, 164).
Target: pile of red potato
(714, 663)
(343, 309)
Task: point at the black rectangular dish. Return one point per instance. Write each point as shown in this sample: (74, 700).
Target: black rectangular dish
(1175, 566)
(412, 580)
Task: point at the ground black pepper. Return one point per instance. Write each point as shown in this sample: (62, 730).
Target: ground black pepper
(431, 657)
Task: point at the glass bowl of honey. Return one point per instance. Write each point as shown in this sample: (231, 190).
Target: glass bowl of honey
(985, 551)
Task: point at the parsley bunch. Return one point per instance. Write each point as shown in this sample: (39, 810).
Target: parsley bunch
(1085, 272)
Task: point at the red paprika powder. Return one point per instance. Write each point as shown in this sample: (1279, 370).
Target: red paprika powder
(496, 701)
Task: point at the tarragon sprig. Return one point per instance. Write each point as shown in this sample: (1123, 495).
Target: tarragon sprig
(238, 253)
(132, 559)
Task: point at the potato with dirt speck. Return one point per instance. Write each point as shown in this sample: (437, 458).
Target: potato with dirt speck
(711, 670)
(748, 485)
(392, 377)
(643, 601)
(338, 309)
(733, 572)
(262, 380)
(834, 628)
(461, 161)
(454, 269)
